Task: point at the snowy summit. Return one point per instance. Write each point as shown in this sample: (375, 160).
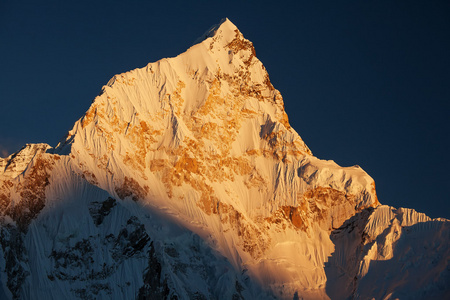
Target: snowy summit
(184, 180)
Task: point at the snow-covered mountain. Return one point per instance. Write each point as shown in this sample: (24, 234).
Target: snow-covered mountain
(184, 180)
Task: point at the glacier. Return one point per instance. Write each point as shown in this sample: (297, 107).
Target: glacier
(184, 180)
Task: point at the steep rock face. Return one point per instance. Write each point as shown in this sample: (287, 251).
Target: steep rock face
(185, 180)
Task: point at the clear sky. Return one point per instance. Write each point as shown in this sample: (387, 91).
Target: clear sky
(364, 82)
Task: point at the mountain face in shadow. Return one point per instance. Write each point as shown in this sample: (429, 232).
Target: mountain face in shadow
(385, 253)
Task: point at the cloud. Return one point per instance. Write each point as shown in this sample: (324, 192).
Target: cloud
(7, 148)
(3, 152)
(9, 145)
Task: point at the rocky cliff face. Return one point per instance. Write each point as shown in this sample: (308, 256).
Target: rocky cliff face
(184, 180)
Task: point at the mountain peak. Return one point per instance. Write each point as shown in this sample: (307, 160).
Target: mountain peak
(185, 177)
(219, 81)
(225, 28)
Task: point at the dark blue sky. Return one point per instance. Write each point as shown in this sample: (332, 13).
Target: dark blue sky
(364, 82)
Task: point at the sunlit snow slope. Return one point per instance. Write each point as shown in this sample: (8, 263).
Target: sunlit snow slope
(185, 180)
